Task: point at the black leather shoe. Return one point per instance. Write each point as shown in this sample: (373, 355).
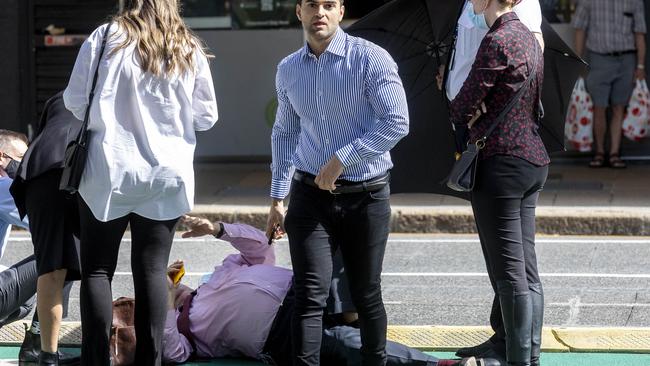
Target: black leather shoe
(475, 350)
(31, 349)
(48, 359)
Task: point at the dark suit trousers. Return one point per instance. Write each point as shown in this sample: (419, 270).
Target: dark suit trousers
(318, 223)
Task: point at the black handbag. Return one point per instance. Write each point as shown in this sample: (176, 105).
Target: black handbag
(77, 151)
(463, 173)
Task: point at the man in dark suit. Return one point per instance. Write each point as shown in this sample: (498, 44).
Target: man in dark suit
(53, 224)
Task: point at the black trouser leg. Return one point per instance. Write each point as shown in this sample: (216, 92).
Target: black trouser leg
(505, 185)
(364, 228)
(534, 284)
(317, 222)
(17, 290)
(100, 243)
(151, 244)
(309, 231)
(342, 347)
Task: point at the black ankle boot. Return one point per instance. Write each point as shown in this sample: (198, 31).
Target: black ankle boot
(48, 359)
(537, 300)
(31, 349)
(517, 313)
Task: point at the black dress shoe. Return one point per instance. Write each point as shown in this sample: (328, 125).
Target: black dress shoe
(48, 359)
(31, 349)
(475, 350)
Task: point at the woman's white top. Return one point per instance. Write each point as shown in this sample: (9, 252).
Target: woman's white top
(142, 130)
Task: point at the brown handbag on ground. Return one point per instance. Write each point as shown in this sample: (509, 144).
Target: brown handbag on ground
(463, 173)
(122, 338)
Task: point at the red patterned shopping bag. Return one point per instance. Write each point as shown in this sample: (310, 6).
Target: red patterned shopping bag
(579, 119)
(637, 115)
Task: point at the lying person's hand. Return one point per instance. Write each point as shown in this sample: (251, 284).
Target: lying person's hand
(172, 271)
(197, 226)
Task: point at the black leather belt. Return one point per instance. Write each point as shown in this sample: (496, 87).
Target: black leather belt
(345, 186)
(617, 53)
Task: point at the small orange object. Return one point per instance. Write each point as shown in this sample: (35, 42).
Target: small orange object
(176, 278)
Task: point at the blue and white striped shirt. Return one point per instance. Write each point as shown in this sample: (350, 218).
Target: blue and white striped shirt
(348, 102)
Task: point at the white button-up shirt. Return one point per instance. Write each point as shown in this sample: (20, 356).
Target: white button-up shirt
(469, 39)
(142, 131)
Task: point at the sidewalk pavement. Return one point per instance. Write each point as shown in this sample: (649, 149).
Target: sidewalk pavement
(577, 200)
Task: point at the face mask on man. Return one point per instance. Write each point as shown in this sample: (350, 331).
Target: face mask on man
(477, 19)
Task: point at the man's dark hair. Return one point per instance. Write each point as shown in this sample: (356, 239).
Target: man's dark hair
(7, 136)
(299, 2)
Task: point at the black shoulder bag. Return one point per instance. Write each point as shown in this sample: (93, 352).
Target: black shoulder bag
(77, 151)
(463, 172)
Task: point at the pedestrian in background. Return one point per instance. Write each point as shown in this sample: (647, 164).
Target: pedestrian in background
(611, 34)
(154, 91)
(54, 226)
(342, 107)
(512, 168)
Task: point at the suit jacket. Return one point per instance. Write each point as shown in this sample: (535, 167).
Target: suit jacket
(57, 127)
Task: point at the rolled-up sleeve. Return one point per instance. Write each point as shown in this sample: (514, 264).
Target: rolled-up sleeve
(176, 348)
(490, 62)
(581, 15)
(284, 139)
(75, 96)
(639, 18)
(204, 101)
(386, 95)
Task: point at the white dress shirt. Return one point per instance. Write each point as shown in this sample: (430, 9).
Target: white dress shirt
(142, 131)
(469, 39)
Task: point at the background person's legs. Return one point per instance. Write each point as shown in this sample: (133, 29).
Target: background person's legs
(100, 243)
(151, 244)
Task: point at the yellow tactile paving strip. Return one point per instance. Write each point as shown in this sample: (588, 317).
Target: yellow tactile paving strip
(630, 340)
(444, 338)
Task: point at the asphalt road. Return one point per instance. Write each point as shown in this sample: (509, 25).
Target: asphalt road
(441, 279)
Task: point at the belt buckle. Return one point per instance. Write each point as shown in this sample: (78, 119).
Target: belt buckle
(333, 192)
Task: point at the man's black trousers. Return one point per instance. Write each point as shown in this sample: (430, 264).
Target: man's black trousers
(317, 223)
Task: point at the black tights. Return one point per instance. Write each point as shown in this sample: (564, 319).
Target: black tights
(100, 244)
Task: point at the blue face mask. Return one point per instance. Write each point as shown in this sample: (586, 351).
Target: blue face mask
(477, 19)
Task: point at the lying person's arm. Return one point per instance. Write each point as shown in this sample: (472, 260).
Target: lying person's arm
(249, 241)
(176, 348)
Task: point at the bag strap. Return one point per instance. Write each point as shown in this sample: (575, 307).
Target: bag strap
(481, 142)
(81, 138)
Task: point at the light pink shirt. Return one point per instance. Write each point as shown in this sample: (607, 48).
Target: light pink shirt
(231, 314)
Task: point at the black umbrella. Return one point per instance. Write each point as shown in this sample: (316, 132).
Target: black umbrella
(419, 35)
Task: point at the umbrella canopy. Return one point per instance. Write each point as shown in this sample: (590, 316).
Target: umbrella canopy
(419, 36)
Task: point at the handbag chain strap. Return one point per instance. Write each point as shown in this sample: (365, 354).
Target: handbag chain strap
(480, 143)
(81, 138)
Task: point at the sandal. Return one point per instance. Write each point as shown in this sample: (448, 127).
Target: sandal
(598, 161)
(616, 162)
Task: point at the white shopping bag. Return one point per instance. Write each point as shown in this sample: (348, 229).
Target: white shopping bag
(578, 125)
(635, 122)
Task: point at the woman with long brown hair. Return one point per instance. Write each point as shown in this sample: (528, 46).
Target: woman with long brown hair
(154, 90)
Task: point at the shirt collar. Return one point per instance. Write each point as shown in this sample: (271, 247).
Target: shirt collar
(504, 18)
(336, 46)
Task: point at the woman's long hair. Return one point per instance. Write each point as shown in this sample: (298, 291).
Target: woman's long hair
(164, 44)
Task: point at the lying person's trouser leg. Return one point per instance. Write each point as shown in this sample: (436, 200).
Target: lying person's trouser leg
(17, 290)
(342, 346)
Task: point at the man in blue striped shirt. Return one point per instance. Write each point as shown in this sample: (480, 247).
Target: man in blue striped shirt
(341, 108)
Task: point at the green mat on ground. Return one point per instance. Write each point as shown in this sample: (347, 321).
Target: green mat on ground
(548, 359)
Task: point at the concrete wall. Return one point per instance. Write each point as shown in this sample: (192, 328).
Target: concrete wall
(244, 79)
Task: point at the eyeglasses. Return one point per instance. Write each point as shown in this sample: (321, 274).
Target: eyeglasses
(5, 155)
